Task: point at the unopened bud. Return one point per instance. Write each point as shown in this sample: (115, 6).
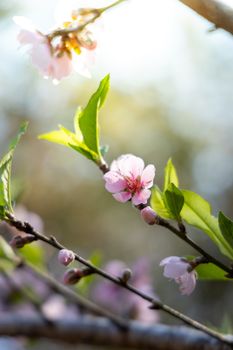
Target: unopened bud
(66, 256)
(73, 276)
(149, 215)
(127, 274)
(20, 241)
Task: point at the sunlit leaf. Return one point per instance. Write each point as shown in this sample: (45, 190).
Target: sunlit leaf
(157, 203)
(174, 200)
(170, 175)
(226, 227)
(86, 120)
(5, 173)
(197, 212)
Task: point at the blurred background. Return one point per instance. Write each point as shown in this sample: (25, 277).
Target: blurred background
(171, 96)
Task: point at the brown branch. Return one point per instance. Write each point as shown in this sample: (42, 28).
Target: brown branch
(154, 304)
(181, 233)
(215, 11)
(101, 332)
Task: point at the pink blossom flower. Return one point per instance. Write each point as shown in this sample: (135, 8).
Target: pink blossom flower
(128, 179)
(178, 269)
(51, 63)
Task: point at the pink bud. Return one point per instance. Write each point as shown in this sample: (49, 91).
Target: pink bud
(149, 215)
(66, 256)
(73, 276)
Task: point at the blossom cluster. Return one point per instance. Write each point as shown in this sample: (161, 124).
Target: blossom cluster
(70, 46)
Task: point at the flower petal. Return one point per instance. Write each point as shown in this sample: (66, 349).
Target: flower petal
(122, 196)
(114, 182)
(148, 175)
(141, 197)
(187, 282)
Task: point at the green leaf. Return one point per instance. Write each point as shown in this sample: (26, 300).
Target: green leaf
(170, 175)
(85, 140)
(174, 200)
(197, 212)
(5, 173)
(34, 254)
(67, 138)
(6, 252)
(226, 227)
(86, 121)
(211, 272)
(157, 203)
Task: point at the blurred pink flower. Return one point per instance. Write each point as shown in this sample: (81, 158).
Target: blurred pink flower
(178, 269)
(56, 65)
(122, 301)
(128, 179)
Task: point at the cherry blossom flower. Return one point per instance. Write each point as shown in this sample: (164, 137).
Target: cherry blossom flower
(51, 63)
(179, 269)
(129, 179)
(57, 55)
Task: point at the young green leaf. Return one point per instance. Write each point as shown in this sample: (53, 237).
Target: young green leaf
(226, 227)
(34, 254)
(5, 173)
(86, 120)
(6, 252)
(170, 175)
(197, 212)
(174, 200)
(211, 272)
(157, 203)
(85, 140)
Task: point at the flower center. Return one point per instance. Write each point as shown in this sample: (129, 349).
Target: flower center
(133, 185)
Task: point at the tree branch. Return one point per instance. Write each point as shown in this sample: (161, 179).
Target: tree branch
(215, 11)
(154, 304)
(100, 331)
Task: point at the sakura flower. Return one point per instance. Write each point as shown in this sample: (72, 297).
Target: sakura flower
(179, 269)
(129, 179)
(51, 62)
(56, 54)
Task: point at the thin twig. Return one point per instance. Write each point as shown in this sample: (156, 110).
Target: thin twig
(154, 304)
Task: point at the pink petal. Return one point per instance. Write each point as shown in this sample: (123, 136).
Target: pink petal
(187, 282)
(62, 67)
(122, 196)
(175, 270)
(135, 166)
(148, 175)
(170, 259)
(41, 57)
(26, 37)
(141, 197)
(114, 182)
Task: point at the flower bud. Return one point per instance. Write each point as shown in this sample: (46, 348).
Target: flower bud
(127, 274)
(66, 256)
(20, 241)
(149, 215)
(73, 276)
